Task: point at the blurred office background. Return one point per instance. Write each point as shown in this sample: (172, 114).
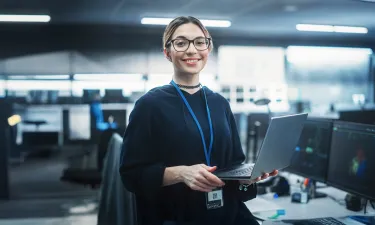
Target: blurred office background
(269, 58)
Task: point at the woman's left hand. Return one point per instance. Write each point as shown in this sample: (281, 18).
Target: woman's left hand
(263, 177)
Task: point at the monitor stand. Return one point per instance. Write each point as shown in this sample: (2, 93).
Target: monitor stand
(368, 202)
(313, 193)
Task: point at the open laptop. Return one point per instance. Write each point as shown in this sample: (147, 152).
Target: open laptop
(276, 151)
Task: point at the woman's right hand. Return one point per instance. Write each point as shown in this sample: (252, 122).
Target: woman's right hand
(200, 178)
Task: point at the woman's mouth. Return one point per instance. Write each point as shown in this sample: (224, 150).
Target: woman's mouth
(191, 62)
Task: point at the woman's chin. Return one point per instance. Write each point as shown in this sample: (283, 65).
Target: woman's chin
(191, 71)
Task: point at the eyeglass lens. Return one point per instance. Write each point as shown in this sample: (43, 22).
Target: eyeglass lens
(183, 44)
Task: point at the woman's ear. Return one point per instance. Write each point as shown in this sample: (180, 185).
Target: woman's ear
(167, 54)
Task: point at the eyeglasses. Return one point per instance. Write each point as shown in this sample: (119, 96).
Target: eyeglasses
(183, 44)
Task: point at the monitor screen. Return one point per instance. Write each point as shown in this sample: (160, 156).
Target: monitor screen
(113, 95)
(311, 156)
(352, 159)
(53, 97)
(365, 116)
(89, 95)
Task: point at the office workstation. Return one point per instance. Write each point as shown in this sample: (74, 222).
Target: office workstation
(329, 181)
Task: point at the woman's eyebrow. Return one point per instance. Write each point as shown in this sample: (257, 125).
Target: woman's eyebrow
(187, 38)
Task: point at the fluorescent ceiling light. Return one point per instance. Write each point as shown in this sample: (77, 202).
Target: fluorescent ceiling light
(24, 85)
(346, 29)
(317, 28)
(216, 23)
(331, 28)
(38, 77)
(166, 21)
(25, 18)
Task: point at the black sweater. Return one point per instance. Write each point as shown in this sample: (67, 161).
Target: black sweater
(162, 133)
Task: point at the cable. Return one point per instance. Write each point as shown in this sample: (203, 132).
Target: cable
(339, 201)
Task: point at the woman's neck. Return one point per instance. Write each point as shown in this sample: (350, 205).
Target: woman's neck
(187, 80)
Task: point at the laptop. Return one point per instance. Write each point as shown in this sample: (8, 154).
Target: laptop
(276, 151)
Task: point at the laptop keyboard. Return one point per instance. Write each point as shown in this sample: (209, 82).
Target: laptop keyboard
(242, 171)
(318, 221)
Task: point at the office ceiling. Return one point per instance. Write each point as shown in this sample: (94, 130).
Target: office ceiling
(253, 18)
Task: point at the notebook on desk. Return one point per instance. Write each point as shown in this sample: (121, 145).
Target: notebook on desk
(276, 151)
(259, 204)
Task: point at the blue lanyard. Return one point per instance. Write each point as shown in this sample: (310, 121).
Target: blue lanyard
(207, 153)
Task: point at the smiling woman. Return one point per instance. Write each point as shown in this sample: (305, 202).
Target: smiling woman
(178, 134)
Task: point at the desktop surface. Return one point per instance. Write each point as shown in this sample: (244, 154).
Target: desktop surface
(312, 151)
(264, 207)
(319, 221)
(352, 159)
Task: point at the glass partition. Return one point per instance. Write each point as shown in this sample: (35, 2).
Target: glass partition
(324, 75)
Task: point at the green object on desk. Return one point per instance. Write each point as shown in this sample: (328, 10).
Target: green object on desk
(279, 212)
(274, 217)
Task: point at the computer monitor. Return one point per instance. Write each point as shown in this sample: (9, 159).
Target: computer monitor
(352, 159)
(119, 116)
(312, 151)
(53, 96)
(363, 116)
(113, 96)
(37, 97)
(88, 95)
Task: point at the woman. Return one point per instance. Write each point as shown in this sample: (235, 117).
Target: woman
(180, 133)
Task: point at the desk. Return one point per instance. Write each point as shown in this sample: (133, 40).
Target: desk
(315, 208)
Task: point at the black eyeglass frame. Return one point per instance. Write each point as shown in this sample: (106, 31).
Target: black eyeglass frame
(190, 41)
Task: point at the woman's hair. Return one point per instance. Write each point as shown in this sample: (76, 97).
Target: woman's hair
(175, 23)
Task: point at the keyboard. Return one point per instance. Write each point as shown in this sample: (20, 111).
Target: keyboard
(318, 221)
(242, 171)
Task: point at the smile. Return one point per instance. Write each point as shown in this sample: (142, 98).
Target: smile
(191, 61)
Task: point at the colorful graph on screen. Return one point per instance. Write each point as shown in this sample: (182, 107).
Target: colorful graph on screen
(358, 164)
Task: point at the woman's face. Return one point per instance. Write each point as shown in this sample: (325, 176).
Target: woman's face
(191, 61)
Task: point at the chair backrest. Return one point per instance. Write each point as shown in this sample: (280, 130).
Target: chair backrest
(117, 205)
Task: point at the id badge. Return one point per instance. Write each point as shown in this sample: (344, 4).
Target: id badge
(214, 199)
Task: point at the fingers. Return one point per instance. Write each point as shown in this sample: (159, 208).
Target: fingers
(205, 183)
(200, 183)
(274, 173)
(212, 179)
(209, 168)
(203, 180)
(257, 179)
(264, 176)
